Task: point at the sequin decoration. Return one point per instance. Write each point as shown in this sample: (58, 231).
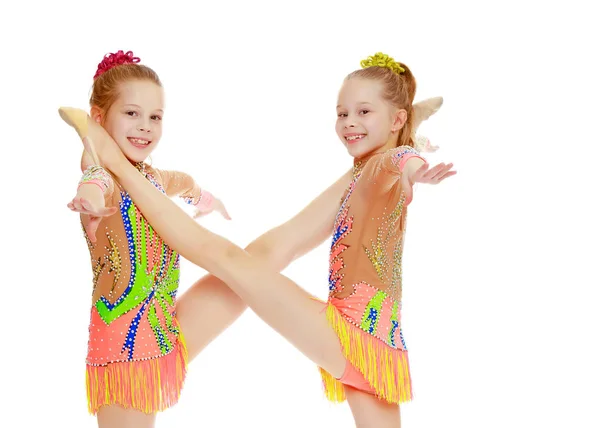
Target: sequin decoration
(342, 227)
(374, 305)
(89, 243)
(365, 280)
(400, 152)
(388, 271)
(395, 324)
(372, 313)
(97, 268)
(114, 260)
(136, 355)
(152, 286)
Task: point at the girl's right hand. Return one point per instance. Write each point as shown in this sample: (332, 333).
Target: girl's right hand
(90, 201)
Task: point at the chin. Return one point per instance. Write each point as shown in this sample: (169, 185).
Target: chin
(134, 159)
(358, 151)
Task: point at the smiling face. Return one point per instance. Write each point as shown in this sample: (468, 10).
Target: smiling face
(134, 120)
(366, 122)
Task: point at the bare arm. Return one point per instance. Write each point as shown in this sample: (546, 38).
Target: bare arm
(417, 170)
(206, 249)
(407, 165)
(210, 306)
(306, 230)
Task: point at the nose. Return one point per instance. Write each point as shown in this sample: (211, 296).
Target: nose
(143, 127)
(349, 120)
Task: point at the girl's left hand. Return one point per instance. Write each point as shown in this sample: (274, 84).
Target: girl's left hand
(218, 206)
(433, 175)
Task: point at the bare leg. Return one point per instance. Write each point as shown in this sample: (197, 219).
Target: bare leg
(205, 310)
(276, 299)
(368, 411)
(210, 306)
(118, 417)
(281, 303)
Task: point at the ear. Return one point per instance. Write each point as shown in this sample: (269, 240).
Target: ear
(423, 110)
(97, 114)
(399, 120)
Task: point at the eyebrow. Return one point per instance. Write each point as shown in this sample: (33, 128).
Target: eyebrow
(135, 105)
(361, 103)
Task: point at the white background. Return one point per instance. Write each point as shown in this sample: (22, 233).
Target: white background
(500, 291)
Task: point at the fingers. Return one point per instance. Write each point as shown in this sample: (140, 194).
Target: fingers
(440, 170)
(225, 214)
(448, 174)
(436, 174)
(436, 170)
(83, 206)
(219, 208)
(107, 212)
(76, 205)
(420, 173)
(86, 205)
(223, 210)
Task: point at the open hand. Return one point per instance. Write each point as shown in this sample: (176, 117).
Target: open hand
(218, 206)
(84, 206)
(433, 175)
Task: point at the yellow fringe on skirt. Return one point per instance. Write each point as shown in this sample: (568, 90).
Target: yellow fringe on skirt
(385, 368)
(149, 386)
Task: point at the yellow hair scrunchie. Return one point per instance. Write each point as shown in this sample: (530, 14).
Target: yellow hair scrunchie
(382, 60)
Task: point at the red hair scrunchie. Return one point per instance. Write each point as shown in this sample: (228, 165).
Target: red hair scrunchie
(113, 59)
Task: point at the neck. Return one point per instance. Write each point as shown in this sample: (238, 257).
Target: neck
(390, 144)
(140, 166)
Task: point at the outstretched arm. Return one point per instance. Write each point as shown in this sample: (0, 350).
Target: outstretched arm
(215, 253)
(305, 231)
(183, 185)
(407, 164)
(207, 308)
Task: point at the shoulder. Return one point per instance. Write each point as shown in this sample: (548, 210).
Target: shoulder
(397, 154)
(156, 174)
(392, 162)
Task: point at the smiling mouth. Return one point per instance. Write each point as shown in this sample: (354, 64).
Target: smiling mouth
(354, 138)
(139, 142)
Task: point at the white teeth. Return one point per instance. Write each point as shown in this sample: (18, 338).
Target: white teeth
(354, 137)
(138, 141)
